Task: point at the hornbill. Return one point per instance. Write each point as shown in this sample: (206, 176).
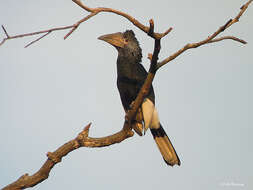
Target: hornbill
(131, 76)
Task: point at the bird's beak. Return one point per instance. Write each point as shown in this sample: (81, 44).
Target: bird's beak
(115, 39)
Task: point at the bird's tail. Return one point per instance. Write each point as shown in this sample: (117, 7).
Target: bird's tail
(165, 146)
(151, 121)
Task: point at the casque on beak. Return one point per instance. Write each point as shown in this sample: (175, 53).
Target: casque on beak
(115, 39)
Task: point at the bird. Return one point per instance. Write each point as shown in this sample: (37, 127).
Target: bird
(131, 75)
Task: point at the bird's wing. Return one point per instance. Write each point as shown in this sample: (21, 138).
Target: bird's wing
(141, 76)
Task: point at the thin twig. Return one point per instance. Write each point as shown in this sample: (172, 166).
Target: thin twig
(228, 38)
(3, 40)
(7, 35)
(78, 23)
(37, 39)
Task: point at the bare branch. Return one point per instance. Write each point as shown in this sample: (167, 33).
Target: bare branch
(93, 11)
(82, 140)
(34, 33)
(243, 9)
(2, 42)
(127, 16)
(209, 39)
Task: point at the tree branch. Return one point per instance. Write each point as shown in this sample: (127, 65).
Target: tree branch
(93, 12)
(127, 16)
(209, 39)
(34, 33)
(82, 140)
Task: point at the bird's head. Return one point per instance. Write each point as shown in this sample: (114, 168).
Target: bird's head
(126, 44)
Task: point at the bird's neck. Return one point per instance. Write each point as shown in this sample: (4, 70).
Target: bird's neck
(127, 62)
(126, 67)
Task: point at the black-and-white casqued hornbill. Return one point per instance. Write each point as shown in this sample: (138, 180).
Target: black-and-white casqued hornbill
(131, 76)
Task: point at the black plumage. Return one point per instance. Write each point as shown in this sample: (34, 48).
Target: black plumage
(131, 75)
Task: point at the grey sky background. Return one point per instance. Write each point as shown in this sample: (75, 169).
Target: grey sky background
(51, 90)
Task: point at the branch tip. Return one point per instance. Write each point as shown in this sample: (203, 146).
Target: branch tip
(168, 31)
(67, 35)
(84, 133)
(80, 4)
(150, 56)
(87, 127)
(151, 28)
(151, 23)
(7, 35)
(228, 38)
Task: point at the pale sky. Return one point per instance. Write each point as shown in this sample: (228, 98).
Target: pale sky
(51, 90)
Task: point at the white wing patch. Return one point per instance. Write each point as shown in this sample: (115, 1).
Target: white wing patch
(150, 115)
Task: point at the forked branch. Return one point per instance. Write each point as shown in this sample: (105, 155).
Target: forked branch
(210, 39)
(138, 24)
(73, 27)
(95, 11)
(9, 37)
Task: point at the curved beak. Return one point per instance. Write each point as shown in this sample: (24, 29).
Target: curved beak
(115, 39)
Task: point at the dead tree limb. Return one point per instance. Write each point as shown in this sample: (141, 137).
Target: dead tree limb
(135, 22)
(93, 12)
(210, 39)
(83, 139)
(8, 37)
